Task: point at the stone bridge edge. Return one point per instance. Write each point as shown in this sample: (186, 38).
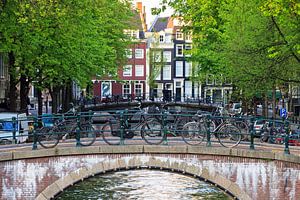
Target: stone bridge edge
(204, 174)
(149, 149)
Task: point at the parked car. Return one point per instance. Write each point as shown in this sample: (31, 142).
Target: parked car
(6, 127)
(259, 126)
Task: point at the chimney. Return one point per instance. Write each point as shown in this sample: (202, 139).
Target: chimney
(141, 9)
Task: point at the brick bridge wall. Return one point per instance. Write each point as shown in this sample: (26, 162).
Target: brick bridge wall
(236, 170)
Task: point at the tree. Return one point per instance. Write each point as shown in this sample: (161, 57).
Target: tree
(52, 43)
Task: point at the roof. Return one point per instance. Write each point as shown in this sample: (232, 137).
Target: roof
(160, 24)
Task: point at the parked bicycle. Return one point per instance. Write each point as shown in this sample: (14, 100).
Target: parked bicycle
(65, 128)
(125, 125)
(228, 134)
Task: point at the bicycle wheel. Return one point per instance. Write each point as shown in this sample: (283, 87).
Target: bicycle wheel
(152, 133)
(87, 135)
(48, 137)
(229, 135)
(110, 133)
(193, 133)
(180, 123)
(244, 129)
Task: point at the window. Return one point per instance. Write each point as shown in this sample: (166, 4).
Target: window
(188, 88)
(127, 71)
(139, 53)
(188, 68)
(167, 72)
(179, 50)
(129, 53)
(179, 69)
(167, 56)
(139, 70)
(168, 38)
(161, 38)
(126, 90)
(188, 48)
(157, 56)
(132, 33)
(188, 36)
(158, 76)
(179, 35)
(2, 66)
(168, 86)
(105, 89)
(138, 89)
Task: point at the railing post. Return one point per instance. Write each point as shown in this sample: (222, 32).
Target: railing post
(14, 121)
(252, 133)
(208, 143)
(122, 131)
(78, 130)
(286, 139)
(164, 117)
(35, 137)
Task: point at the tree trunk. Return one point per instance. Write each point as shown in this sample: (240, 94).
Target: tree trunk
(24, 90)
(40, 101)
(274, 102)
(265, 106)
(12, 83)
(54, 96)
(254, 106)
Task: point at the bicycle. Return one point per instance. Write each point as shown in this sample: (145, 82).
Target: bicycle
(63, 129)
(124, 126)
(194, 133)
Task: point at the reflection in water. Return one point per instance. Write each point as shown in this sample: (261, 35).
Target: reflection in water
(142, 184)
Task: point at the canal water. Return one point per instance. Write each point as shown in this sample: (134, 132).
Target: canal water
(142, 184)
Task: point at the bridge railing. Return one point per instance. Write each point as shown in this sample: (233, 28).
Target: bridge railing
(150, 125)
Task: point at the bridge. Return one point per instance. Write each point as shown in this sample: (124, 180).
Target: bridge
(241, 173)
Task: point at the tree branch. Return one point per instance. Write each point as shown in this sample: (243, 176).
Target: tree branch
(284, 39)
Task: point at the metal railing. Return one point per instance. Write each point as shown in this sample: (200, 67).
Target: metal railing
(156, 126)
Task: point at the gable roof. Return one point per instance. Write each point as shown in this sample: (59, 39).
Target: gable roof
(160, 24)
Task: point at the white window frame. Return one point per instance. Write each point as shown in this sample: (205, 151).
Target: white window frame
(188, 48)
(141, 89)
(134, 34)
(188, 69)
(167, 72)
(139, 70)
(129, 89)
(158, 77)
(129, 53)
(157, 56)
(179, 46)
(127, 70)
(188, 36)
(139, 53)
(167, 56)
(179, 69)
(188, 88)
(179, 35)
(161, 38)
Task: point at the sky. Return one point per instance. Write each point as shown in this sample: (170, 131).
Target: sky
(153, 4)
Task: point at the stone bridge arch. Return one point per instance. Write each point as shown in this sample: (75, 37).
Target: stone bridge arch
(142, 162)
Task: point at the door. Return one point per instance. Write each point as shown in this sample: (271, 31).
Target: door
(178, 94)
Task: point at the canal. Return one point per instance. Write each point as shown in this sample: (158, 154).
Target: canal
(143, 184)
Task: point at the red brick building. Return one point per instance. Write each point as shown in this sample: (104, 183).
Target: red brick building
(132, 76)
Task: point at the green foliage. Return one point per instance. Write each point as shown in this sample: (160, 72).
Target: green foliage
(255, 43)
(56, 41)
